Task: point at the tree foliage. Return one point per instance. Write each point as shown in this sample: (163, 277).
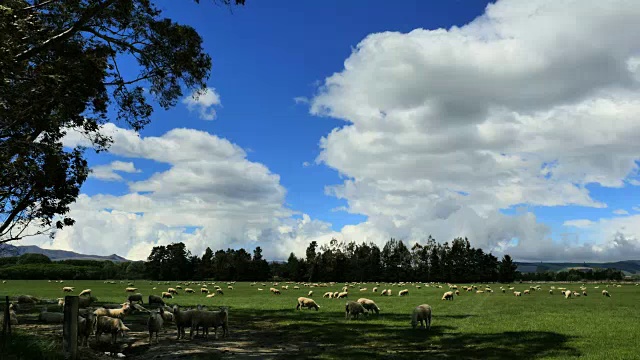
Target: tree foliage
(61, 65)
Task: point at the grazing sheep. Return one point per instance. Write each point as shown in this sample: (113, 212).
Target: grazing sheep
(308, 303)
(182, 320)
(155, 322)
(167, 295)
(353, 309)
(335, 294)
(114, 313)
(605, 293)
(204, 290)
(211, 295)
(109, 325)
(457, 292)
(157, 300)
(51, 317)
(517, 293)
(130, 289)
(208, 319)
(219, 291)
(421, 313)
(68, 289)
(136, 297)
(403, 292)
(343, 295)
(447, 296)
(275, 291)
(369, 305)
(189, 291)
(27, 299)
(328, 294)
(85, 292)
(551, 291)
(178, 287)
(375, 289)
(567, 294)
(172, 291)
(526, 292)
(310, 293)
(383, 292)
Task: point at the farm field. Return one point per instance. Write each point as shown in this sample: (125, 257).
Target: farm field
(472, 326)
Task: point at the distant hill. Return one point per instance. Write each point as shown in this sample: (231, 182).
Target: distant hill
(627, 266)
(55, 255)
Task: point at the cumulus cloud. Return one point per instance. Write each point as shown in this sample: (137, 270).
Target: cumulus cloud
(524, 105)
(203, 102)
(108, 172)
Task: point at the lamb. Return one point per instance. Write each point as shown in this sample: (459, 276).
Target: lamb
(51, 317)
(369, 305)
(114, 313)
(403, 292)
(421, 313)
(85, 328)
(130, 289)
(109, 325)
(308, 303)
(605, 293)
(353, 309)
(208, 319)
(182, 319)
(135, 297)
(447, 296)
(167, 295)
(156, 300)
(85, 292)
(27, 299)
(68, 289)
(154, 323)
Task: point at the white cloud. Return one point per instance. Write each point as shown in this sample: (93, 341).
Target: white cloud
(635, 208)
(621, 212)
(579, 223)
(301, 100)
(524, 105)
(306, 164)
(204, 103)
(107, 172)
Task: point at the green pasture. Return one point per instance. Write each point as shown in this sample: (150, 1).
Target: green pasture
(488, 326)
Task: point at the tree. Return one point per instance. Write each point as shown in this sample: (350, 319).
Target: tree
(61, 70)
(507, 269)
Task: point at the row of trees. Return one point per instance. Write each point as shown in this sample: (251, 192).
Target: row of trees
(572, 275)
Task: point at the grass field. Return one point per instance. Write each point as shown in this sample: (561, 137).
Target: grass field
(487, 326)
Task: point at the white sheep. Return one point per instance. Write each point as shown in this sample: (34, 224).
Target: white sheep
(328, 294)
(68, 289)
(606, 293)
(182, 320)
(167, 295)
(114, 313)
(135, 297)
(131, 289)
(204, 290)
(208, 319)
(172, 291)
(310, 293)
(447, 295)
(567, 294)
(85, 328)
(85, 292)
(403, 292)
(353, 309)
(421, 313)
(304, 302)
(155, 322)
(369, 305)
(551, 291)
(110, 325)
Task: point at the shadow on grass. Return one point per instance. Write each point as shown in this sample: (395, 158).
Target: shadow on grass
(310, 334)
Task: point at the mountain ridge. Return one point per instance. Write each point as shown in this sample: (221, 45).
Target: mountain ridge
(56, 255)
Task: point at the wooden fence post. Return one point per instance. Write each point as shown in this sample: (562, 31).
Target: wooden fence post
(70, 328)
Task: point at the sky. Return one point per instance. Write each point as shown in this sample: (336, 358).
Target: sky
(511, 123)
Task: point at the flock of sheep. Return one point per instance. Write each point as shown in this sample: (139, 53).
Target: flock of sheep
(108, 319)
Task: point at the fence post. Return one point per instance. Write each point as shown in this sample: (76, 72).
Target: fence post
(70, 328)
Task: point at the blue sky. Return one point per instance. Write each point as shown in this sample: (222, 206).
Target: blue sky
(426, 117)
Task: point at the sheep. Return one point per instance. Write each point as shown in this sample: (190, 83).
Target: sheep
(182, 320)
(403, 292)
(517, 293)
(328, 294)
(156, 300)
(167, 295)
(85, 292)
(526, 292)
(109, 325)
(84, 302)
(154, 323)
(447, 296)
(172, 291)
(219, 291)
(343, 295)
(13, 317)
(310, 293)
(114, 313)
(208, 319)
(51, 317)
(353, 309)
(85, 328)
(375, 289)
(68, 289)
(178, 287)
(567, 294)
(369, 305)
(383, 292)
(204, 290)
(60, 302)
(457, 292)
(308, 303)
(27, 299)
(130, 289)
(231, 287)
(584, 293)
(189, 291)
(421, 313)
(479, 292)
(363, 289)
(275, 291)
(550, 291)
(335, 294)
(211, 295)
(605, 293)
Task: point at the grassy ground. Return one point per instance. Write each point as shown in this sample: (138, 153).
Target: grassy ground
(487, 326)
